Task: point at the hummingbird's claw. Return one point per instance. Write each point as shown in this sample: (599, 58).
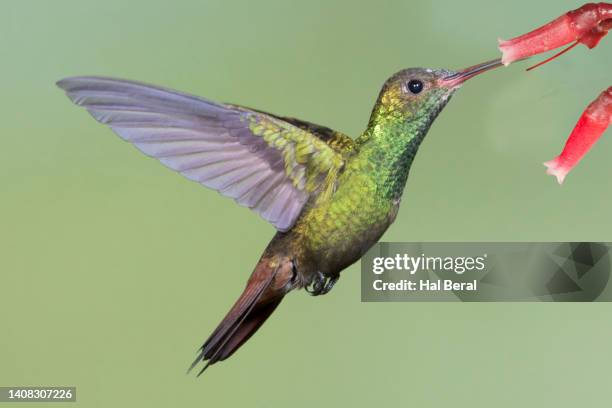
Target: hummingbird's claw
(330, 284)
(321, 284)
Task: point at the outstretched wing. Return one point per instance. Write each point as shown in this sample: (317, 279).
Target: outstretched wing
(259, 160)
(338, 141)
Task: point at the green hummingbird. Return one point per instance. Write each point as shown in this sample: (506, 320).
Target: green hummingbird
(329, 196)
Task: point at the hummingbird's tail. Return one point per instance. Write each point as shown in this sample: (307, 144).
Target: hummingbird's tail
(268, 284)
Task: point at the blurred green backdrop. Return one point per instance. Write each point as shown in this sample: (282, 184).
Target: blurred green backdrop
(114, 269)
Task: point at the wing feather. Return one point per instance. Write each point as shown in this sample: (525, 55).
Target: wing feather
(269, 165)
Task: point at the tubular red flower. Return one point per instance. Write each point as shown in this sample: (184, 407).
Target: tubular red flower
(591, 125)
(586, 25)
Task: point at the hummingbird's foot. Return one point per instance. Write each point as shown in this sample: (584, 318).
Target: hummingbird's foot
(321, 284)
(330, 284)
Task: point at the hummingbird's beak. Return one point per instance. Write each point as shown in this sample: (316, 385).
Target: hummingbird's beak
(456, 79)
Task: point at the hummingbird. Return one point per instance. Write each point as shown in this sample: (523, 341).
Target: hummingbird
(329, 196)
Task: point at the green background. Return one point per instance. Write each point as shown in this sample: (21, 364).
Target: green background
(114, 269)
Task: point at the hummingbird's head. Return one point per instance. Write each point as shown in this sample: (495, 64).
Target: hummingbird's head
(419, 94)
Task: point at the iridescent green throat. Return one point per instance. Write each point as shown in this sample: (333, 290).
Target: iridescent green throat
(389, 146)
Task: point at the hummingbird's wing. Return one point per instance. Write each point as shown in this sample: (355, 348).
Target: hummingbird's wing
(340, 142)
(259, 160)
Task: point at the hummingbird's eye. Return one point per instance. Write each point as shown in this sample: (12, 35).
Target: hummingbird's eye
(415, 86)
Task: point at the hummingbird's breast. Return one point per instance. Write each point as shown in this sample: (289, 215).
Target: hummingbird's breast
(335, 233)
